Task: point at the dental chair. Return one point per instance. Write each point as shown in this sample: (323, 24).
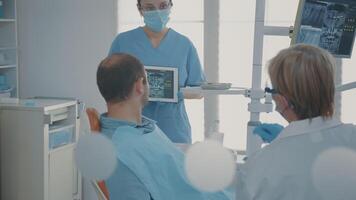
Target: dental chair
(98, 191)
(94, 123)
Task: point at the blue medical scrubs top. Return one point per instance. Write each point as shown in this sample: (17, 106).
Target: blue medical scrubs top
(175, 50)
(123, 183)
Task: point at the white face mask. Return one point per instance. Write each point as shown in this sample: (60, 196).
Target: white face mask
(281, 109)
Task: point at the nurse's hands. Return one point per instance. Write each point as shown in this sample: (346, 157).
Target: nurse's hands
(191, 95)
(268, 132)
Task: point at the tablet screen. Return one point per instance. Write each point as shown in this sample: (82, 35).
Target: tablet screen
(163, 83)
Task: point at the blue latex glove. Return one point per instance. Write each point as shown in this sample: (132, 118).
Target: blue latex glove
(268, 132)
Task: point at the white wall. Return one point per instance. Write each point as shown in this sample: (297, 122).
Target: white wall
(61, 43)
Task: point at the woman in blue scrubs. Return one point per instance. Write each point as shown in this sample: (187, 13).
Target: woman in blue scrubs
(156, 45)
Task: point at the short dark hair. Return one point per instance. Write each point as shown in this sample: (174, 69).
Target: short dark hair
(116, 76)
(139, 2)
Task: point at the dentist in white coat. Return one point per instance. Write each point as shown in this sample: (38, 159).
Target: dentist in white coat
(302, 78)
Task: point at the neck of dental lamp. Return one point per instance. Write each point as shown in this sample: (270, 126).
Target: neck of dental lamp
(345, 87)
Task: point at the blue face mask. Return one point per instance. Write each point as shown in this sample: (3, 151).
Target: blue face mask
(156, 20)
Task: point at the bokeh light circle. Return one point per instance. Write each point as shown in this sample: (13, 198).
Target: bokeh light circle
(334, 174)
(95, 156)
(209, 166)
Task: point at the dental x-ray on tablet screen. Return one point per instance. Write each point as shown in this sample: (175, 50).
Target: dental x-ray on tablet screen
(163, 82)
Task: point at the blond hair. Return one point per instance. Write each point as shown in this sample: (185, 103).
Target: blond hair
(304, 74)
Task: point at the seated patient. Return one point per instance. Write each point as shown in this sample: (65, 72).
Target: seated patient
(149, 165)
(302, 77)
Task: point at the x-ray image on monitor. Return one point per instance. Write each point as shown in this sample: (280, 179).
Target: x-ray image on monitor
(163, 83)
(329, 24)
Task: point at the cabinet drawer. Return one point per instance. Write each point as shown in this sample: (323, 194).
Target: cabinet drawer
(61, 136)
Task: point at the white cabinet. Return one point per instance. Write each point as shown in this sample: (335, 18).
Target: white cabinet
(8, 49)
(62, 183)
(38, 138)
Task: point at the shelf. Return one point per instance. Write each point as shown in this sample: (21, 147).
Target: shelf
(7, 66)
(198, 90)
(8, 48)
(9, 44)
(7, 20)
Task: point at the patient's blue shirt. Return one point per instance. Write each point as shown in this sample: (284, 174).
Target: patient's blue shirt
(150, 166)
(122, 183)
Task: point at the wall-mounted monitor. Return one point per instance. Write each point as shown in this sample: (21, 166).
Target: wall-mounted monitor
(329, 24)
(163, 82)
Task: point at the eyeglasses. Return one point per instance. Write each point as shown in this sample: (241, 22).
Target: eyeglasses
(151, 7)
(274, 92)
(271, 91)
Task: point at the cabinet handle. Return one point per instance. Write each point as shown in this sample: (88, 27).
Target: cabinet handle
(47, 119)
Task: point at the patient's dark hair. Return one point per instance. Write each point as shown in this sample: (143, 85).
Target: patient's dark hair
(117, 75)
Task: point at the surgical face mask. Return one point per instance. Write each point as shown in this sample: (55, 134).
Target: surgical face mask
(282, 109)
(156, 20)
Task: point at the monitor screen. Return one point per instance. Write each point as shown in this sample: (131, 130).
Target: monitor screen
(329, 24)
(163, 82)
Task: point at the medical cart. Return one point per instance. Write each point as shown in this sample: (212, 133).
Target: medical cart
(38, 139)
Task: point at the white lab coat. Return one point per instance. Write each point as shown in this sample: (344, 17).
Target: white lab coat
(282, 170)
